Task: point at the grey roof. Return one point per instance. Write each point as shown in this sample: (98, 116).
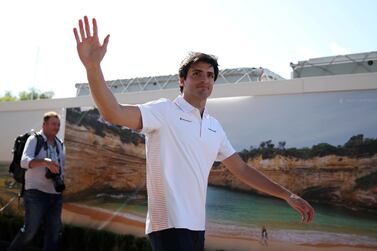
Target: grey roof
(342, 64)
(227, 76)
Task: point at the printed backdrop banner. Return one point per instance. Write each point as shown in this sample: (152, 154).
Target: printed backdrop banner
(322, 146)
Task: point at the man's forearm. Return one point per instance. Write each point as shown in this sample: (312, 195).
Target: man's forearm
(259, 181)
(37, 163)
(103, 97)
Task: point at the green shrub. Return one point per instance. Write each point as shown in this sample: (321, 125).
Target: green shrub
(75, 238)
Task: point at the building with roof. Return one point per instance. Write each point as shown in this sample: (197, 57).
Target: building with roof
(154, 83)
(342, 64)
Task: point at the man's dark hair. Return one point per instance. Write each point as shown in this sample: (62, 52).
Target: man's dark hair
(194, 57)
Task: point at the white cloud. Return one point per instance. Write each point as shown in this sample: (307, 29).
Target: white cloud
(336, 49)
(306, 53)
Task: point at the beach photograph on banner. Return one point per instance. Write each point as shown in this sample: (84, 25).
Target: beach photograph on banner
(322, 146)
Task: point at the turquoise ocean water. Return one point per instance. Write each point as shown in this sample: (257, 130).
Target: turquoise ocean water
(243, 214)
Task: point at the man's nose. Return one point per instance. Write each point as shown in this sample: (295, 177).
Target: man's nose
(205, 78)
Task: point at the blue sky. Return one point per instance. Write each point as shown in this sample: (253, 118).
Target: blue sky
(151, 37)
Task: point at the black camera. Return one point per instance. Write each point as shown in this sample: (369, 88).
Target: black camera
(57, 179)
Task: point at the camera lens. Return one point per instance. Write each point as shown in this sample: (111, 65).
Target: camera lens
(57, 180)
(59, 184)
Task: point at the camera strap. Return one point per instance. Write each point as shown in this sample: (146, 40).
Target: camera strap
(50, 153)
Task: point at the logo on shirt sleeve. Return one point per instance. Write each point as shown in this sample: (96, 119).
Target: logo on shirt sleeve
(212, 130)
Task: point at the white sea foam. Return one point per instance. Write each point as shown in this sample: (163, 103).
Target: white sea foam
(292, 236)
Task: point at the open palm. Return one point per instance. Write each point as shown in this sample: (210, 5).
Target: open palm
(90, 50)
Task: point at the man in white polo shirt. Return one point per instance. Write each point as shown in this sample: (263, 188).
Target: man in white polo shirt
(182, 142)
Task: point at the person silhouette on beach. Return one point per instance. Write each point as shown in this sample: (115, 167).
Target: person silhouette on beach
(182, 142)
(264, 236)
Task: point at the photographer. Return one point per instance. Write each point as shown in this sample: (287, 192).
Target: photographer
(43, 186)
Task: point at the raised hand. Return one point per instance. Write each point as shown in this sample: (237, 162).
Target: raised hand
(90, 50)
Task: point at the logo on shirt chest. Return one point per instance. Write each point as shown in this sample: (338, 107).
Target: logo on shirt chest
(186, 120)
(190, 121)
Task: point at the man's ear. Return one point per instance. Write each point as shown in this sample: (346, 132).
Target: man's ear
(182, 82)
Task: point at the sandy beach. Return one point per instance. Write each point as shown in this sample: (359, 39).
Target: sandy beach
(123, 223)
(214, 242)
(81, 215)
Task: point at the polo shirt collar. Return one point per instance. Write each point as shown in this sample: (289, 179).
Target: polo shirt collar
(186, 106)
(43, 135)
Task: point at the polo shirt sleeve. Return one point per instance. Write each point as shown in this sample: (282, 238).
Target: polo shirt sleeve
(225, 150)
(152, 115)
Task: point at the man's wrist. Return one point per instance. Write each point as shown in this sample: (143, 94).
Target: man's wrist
(92, 67)
(47, 161)
(293, 196)
(289, 195)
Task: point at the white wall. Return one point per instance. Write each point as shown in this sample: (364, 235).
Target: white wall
(18, 117)
(14, 123)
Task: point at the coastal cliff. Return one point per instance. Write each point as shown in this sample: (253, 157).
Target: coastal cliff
(332, 179)
(99, 159)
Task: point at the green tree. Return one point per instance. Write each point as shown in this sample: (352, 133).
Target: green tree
(281, 145)
(355, 141)
(323, 149)
(46, 95)
(31, 94)
(8, 97)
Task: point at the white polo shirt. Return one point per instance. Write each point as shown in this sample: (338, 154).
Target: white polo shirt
(180, 150)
